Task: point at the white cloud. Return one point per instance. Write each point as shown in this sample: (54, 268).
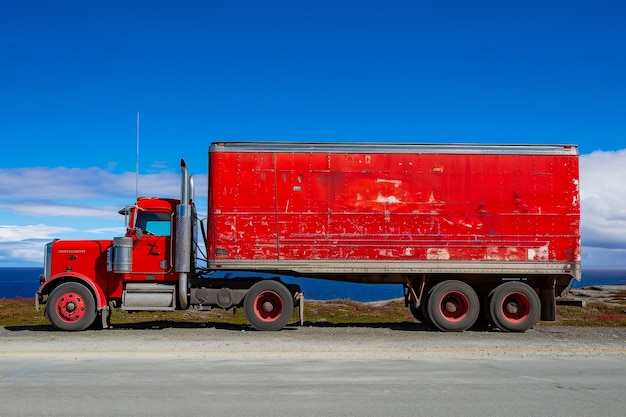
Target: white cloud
(603, 207)
(23, 253)
(602, 175)
(21, 245)
(62, 183)
(14, 233)
(51, 208)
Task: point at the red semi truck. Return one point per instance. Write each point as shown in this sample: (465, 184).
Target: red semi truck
(472, 232)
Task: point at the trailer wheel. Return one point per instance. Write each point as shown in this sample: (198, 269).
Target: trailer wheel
(514, 307)
(268, 305)
(71, 307)
(424, 312)
(418, 313)
(452, 306)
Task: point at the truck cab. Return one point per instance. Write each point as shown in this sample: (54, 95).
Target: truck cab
(151, 267)
(146, 269)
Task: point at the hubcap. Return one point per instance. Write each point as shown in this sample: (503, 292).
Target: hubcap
(451, 306)
(71, 307)
(454, 306)
(516, 307)
(512, 308)
(268, 306)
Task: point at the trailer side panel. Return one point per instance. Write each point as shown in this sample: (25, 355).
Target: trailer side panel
(402, 209)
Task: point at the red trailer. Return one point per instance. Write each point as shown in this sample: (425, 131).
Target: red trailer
(472, 232)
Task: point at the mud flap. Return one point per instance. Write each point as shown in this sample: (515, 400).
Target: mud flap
(105, 315)
(548, 304)
(300, 298)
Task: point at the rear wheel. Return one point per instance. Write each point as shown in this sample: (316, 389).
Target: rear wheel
(418, 313)
(71, 307)
(452, 306)
(514, 307)
(268, 305)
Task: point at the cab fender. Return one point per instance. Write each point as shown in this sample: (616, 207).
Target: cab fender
(50, 284)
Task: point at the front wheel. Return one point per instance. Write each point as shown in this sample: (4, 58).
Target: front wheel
(514, 307)
(71, 307)
(452, 306)
(268, 305)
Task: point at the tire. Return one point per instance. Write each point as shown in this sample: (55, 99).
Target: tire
(418, 313)
(452, 306)
(424, 311)
(514, 307)
(71, 307)
(268, 305)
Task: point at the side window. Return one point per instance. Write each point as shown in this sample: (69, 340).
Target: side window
(158, 228)
(158, 224)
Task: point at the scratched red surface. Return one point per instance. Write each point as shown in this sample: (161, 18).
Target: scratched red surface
(386, 206)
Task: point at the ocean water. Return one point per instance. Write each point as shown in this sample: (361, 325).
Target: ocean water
(24, 282)
(19, 282)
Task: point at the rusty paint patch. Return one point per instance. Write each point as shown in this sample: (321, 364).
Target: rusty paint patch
(437, 254)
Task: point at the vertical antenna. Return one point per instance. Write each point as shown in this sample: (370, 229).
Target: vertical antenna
(137, 162)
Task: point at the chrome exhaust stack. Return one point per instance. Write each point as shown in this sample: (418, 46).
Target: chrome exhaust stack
(184, 234)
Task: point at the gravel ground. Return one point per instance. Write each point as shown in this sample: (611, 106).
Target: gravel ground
(310, 342)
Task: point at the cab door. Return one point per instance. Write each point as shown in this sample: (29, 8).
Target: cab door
(152, 253)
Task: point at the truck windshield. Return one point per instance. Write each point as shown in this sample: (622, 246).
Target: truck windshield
(158, 224)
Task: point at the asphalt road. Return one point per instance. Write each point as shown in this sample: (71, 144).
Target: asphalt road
(312, 371)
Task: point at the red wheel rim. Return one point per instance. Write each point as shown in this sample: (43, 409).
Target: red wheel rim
(515, 307)
(454, 306)
(268, 306)
(71, 307)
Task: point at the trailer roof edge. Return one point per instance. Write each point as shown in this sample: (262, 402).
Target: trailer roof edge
(380, 147)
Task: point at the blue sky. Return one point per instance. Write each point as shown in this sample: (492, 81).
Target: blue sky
(74, 74)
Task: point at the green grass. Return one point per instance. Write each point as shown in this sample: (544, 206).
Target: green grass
(595, 314)
(21, 312)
